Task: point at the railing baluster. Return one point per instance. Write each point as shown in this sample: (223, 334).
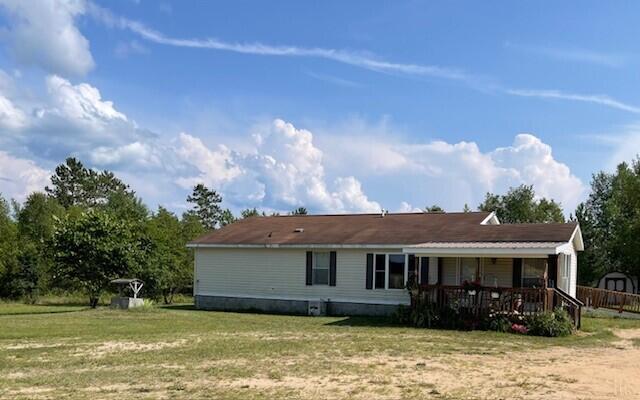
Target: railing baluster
(604, 298)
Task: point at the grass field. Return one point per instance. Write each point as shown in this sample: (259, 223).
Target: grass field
(69, 351)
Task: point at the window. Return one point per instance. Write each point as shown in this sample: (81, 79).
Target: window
(564, 272)
(320, 268)
(468, 269)
(379, 275)
(390, 271)
(617, 284)
(396, 271)
(533, 272)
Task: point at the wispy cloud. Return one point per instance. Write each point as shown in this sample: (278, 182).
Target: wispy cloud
(332, 79)
(366, 61)
(356, 59)
(606, 59)
(587, 98)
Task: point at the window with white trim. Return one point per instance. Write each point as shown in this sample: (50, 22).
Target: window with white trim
(397, 271)
(390, 271)
(533, 270)
(469, 269)
(320, 270)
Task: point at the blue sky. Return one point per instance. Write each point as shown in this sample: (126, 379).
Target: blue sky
(336, 106)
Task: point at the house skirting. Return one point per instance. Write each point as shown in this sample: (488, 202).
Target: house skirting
(297, 307)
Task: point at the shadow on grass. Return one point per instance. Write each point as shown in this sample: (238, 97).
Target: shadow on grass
(179, 307)
(45, 310)
(364, 321)
(69, 304)
(344, 321)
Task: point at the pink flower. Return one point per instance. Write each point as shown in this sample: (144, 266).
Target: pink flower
(517, 328)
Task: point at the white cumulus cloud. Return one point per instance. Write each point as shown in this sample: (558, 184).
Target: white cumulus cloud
(68, 118)
(531, 161)
(11, 117)
(19, 177)
(285, 170)
(448, 174)
(280, 166)
(45, 34)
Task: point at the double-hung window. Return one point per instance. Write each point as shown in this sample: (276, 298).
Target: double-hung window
(321, 268)
(390, 271)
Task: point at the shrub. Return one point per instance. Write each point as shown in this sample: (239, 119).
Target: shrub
(550, 323)
(498, 323)
(402, 315)
(147, 305)
(425, 314)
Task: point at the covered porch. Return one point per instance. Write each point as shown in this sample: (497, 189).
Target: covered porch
(478, 281)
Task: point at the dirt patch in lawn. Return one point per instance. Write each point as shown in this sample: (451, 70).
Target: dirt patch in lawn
(105, 348)
(476, 372)
(563, 373)
(557, 372)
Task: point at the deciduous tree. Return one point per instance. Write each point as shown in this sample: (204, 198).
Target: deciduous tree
(519, 205)
(94, 248)
(8, 250)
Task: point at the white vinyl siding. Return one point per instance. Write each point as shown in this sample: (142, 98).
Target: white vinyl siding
(433, 270)
(573, 272)
(564, 271)
(280, 274)
(499, 273)
(450, 271)
(569, 249)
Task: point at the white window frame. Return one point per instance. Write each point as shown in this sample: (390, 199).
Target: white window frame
(459, 272)
(544, 263)
(386, 270)
(314, 268)
(565, 272)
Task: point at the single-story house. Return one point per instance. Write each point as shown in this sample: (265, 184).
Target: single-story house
(359, 264)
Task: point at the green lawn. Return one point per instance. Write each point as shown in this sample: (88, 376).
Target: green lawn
(55, 351)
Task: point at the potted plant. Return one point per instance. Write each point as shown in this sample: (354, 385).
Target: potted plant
(471, 287)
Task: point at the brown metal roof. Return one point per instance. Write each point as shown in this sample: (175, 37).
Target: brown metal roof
(372, 229)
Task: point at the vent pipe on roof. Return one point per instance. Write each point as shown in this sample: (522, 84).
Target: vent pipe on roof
(384, 212)
(299, 230)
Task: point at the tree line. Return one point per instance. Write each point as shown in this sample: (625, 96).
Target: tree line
(89, 227)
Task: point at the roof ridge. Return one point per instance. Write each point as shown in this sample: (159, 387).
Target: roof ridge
(376, 214)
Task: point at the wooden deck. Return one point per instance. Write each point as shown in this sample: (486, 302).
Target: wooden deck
(481, 301)
(602, 298)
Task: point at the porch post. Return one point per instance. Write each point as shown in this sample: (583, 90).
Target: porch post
(552, 270)
(517, 273)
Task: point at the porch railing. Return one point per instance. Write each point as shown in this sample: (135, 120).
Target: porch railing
(570, 304)
(619, 301)
(480, 301)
